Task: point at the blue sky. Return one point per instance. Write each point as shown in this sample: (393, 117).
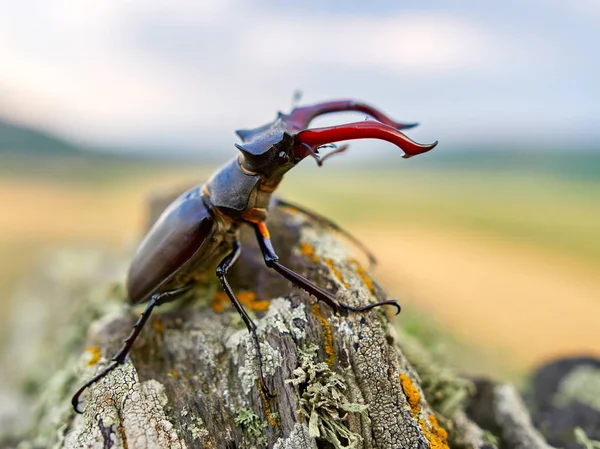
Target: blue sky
(185, 74)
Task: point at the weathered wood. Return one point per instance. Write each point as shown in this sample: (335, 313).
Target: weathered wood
(191, 380)
(340, 381)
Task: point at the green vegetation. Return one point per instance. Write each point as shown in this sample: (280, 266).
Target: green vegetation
(555, 212)
(19, 139)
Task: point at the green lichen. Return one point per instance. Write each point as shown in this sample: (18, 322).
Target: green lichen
(489, 438)
(582, 438)
(249, 421)
(582, 385)
(323, 401)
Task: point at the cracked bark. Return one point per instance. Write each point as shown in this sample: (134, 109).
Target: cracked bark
(191, 378)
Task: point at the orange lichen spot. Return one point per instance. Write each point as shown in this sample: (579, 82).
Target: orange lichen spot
(435, 434)
(327, 335)
(413, 395)
(291, 210)
(363, 275)
(438, 431)
(123, 435)
(267, 405)
(336, 272)
(307, 250)
(95, 355)
(158, 326)
(247, 298)
(219, 301)
(250, 300)
(174, 374)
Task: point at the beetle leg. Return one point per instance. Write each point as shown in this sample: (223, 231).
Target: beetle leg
(222, 270)
(119, 357)
(328, 224)
(272, 261)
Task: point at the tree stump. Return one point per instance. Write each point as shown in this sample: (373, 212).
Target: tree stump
(191, 379)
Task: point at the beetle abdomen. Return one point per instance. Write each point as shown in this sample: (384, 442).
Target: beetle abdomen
(184, 227)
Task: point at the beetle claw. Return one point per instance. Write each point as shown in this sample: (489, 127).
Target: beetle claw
(389, 302)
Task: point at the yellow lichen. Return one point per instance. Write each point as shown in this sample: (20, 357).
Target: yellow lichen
(438, 437)
(413, 395)
(219, 301)
(327, 335)
(435, 434)
(362, 273)
(307, 250)
(247, 299)
(335, 272)
(95, 355)
(175, 374)
(267, 405)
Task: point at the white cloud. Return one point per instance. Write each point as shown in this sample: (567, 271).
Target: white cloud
(413, 44)
(128, 69)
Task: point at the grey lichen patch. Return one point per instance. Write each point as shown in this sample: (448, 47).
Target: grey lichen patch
(248, 372)
(326, 245)
(354, 287)
(205, 349)
(284, 318)
(251, 424)
(197, 432)
(583, 385)
(196, 427)
(281, 317)
(299, 438)
(132, 414)
(323, 401)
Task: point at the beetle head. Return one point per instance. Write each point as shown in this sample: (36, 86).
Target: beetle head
(273, 149)
(268, 150)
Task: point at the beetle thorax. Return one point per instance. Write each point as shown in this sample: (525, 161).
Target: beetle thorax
(240, 193)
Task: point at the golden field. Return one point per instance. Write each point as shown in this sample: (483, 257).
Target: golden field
(505, 261)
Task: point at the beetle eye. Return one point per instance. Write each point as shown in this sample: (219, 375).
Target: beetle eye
(283, 155)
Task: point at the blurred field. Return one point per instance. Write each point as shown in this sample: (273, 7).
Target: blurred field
(507, 259)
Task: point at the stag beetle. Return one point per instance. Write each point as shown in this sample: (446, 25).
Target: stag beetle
(199, 230)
